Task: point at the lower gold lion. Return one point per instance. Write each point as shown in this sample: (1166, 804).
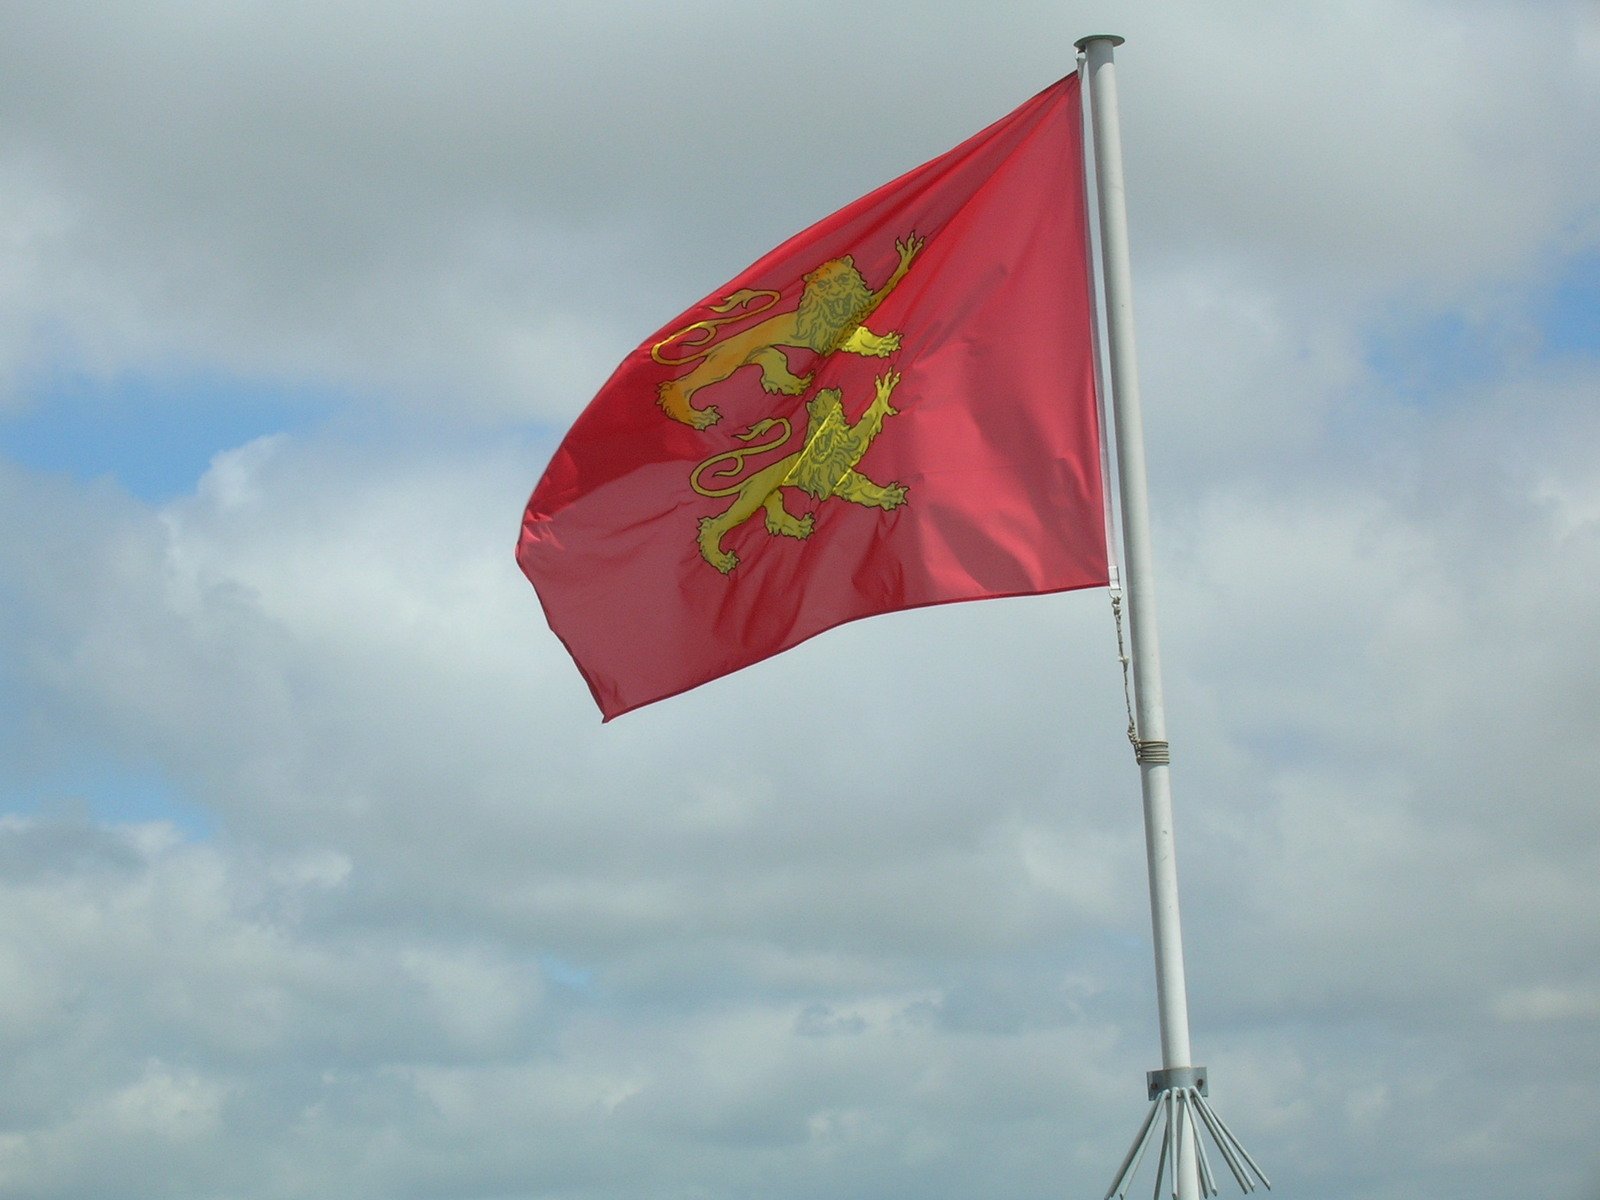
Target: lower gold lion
(823, 468)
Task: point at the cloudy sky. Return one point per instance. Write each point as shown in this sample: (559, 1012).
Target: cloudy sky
(319, 875)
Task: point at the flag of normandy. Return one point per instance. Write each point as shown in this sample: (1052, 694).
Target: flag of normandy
(892, 409)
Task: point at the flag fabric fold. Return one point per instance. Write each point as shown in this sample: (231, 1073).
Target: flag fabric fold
(894, 408)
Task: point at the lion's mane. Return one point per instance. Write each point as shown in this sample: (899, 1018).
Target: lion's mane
(836, 299)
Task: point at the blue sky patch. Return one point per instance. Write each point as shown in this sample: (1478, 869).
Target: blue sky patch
(1436, 354)
(155, 434)
(1425, 356)
(108, 791)
(1570, 318)
(567, 975)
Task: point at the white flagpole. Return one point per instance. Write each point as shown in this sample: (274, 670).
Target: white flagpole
(1177, 1089)
(1146, 658)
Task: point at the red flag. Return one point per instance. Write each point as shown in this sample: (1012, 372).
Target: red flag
(892, 409)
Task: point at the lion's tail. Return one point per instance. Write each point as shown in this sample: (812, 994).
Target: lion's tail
(692, 341)
(730, 463)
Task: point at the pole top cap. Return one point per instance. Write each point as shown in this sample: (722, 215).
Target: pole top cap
(1083, 42)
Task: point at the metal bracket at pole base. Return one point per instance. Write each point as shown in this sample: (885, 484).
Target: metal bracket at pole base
(1178, 1106)
(1177, 1077)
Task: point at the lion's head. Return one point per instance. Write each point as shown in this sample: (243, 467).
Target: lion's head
(836, 299)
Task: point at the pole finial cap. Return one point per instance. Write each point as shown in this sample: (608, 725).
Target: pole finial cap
(1083, 42)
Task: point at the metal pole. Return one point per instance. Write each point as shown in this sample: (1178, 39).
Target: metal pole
(1150, 719)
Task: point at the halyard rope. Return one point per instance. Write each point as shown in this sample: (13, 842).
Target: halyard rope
(1154, 753)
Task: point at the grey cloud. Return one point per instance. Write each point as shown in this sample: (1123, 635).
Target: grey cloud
(486, 208)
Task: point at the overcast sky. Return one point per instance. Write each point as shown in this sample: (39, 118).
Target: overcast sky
(319, 875)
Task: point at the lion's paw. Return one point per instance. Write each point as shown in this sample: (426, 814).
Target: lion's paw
(710, 542)
(887, 345)
(894, 495)
(704, 418)
(786, 524)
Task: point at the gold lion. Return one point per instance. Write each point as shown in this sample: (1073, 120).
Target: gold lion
(823, 468)
(833, 305)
